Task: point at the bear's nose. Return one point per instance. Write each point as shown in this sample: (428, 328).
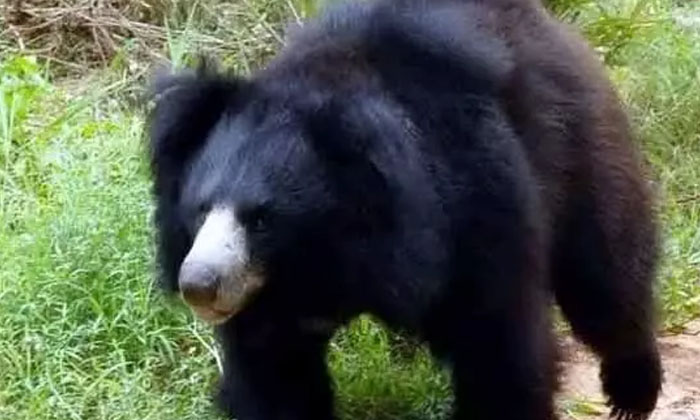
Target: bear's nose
(198, 284)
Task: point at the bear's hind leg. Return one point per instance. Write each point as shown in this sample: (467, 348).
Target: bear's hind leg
(602, 274)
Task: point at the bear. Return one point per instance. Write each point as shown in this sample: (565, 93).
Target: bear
(451, 167)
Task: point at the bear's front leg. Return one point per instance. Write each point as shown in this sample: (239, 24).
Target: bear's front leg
(275, 370)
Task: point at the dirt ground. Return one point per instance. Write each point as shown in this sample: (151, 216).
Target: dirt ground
(680, 399)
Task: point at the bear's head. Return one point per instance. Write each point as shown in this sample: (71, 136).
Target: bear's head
(259, 185)
(295, 179)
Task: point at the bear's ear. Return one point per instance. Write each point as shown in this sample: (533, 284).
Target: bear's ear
(187, 106)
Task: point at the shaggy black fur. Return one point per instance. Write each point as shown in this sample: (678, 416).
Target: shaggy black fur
(444, 165)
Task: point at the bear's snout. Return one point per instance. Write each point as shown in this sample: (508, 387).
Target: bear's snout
(198, 284)
(216, 278)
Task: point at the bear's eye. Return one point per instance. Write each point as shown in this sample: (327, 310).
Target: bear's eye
(255, 218)
(200, 214)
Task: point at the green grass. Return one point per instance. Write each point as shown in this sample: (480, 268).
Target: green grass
(660, 81)
(83, 335)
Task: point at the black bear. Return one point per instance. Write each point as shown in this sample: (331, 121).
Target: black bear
(449, 166)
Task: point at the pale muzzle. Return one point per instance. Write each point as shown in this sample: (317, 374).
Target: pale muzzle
(216, 278)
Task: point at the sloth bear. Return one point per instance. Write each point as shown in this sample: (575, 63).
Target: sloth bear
(451, 167)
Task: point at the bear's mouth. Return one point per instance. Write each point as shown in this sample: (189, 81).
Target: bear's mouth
(212, 316)
(231, 296)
